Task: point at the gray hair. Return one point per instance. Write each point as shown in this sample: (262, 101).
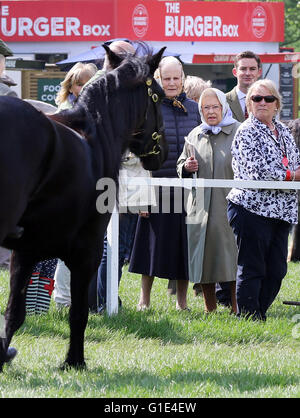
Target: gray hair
(194, 86)
(168, 60)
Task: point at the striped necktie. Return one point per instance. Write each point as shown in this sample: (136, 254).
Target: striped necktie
(245, 111)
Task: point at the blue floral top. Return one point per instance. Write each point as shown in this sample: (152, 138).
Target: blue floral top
(257, 154)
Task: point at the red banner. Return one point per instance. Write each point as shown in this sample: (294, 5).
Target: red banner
(151, 20)
(57, 20)
(201, 21)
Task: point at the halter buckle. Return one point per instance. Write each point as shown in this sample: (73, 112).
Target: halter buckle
(156, 136)
(155, 97)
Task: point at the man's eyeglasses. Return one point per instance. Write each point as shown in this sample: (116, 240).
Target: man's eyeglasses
(267, 99)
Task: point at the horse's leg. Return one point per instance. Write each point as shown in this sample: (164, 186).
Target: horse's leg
(21, 267)
(78, 315)
(81, 276)
(83, 262)
(83, 265)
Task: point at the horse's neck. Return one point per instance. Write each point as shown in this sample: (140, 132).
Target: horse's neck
(109, 146)
(120, 111)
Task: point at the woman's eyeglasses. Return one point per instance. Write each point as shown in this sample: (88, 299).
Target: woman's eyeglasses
(214, 108)
(268, 99)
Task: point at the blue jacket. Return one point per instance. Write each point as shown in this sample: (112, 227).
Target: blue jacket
(178, 124)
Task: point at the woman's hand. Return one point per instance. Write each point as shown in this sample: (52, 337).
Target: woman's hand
(191, 165)
(144, 214)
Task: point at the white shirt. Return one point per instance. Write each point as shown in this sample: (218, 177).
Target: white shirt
(242, 98)
(131, 196)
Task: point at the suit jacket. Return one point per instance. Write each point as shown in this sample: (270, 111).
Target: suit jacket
(234, 104)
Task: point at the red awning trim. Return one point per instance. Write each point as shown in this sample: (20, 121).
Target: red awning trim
(280, 57)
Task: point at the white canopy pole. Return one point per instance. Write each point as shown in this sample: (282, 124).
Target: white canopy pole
(112, 264)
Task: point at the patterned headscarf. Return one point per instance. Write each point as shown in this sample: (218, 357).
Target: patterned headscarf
(227, 118)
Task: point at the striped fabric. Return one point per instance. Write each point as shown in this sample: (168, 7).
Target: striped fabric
(40, 287)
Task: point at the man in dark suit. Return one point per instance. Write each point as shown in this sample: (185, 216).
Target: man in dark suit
(247, 69)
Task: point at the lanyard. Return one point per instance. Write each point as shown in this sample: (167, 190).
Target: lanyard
(284, 160)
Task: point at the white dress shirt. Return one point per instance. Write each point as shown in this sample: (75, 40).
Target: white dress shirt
(242, 98)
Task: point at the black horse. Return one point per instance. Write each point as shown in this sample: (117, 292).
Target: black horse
(48, 176)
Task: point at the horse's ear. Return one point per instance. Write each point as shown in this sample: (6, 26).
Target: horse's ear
(114, 59)
(155, 60)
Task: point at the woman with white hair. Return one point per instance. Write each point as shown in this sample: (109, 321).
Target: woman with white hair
(207, 152)
(160, 245)
(263, 149)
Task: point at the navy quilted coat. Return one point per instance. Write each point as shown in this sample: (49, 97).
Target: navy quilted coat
(160, 245)
(178, 124)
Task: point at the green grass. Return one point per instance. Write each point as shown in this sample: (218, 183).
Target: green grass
(161, 353)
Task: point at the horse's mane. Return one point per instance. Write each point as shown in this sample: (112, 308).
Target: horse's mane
(132, 72)
(104, 108)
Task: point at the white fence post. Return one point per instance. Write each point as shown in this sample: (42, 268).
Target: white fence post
(112, 281)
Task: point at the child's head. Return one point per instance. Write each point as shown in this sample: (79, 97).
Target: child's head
(75, 79)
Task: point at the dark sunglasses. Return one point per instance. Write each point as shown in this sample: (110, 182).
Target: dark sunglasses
(268, 99)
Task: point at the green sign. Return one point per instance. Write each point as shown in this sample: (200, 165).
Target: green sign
(48, 89)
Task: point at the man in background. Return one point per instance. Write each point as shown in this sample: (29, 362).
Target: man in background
(247, 69)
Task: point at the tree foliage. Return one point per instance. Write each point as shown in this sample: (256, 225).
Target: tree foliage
(292, 24)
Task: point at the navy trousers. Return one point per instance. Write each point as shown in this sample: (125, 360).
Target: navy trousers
(262, 259)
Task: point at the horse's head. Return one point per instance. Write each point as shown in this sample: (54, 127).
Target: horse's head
(147, 140)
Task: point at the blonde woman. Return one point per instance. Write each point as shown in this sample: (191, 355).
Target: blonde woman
(74, 81)
(261, 219)
(194, 87)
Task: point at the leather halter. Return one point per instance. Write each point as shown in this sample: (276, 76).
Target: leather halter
(156, 136)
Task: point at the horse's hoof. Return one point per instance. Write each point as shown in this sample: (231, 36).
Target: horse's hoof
(10, 354)
(67, 366)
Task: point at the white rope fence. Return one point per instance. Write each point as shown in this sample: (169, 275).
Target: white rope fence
(187, 183)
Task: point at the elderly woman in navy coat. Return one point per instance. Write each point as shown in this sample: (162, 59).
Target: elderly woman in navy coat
(160, 246)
